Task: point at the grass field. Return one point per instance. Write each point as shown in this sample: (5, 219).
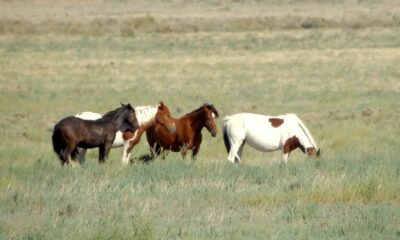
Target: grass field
(334, 63)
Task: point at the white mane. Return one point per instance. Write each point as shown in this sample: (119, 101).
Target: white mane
(145, 114)
(304, 129)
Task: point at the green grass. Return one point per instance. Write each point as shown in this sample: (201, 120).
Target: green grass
(332, 198)
(341, 78)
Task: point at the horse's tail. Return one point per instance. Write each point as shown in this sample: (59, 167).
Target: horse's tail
(58, 142)
(226, 137)
(306, 131)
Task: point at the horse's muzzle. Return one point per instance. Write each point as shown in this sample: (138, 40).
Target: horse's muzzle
(213, 133)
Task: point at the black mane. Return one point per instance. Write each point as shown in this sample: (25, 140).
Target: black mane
(212, 109)
(208, 106)
(114, 114)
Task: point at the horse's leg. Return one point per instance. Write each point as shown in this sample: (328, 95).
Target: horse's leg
(284, 156)
(82, 155)
(101, 153)
(235, 137)
(184, 152)
(151, 141)
(107, 149)
(240, 151)
(196, 147)
(160, 151)
(67, 152)
(233, 153)
(63, 157)
(128, 145)
(125, 154)
(155, 150)
(195, 151)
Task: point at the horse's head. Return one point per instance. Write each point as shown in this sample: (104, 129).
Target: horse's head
(211, 115)
(313, 152)
(130, 116)
(163, 118)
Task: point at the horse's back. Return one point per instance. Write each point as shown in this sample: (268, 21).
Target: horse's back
(246, 120)
(255, 129)
(68, 121)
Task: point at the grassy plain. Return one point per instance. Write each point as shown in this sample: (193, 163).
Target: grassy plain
(335, 64)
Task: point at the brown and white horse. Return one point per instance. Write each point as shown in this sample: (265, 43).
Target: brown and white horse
(267, 134)
(188, 132)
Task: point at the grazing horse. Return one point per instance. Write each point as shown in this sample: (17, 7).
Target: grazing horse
(267, 134)
(72, 132)
(146, 117)
(188, 132)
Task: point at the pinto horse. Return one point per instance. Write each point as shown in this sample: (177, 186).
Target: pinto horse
(188, 132)
(267, 134)
(146, 117)
(72, 132)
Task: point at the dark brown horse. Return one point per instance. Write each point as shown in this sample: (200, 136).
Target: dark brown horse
(72, 132)
(188, 132)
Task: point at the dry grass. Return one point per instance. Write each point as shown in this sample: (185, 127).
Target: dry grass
(127, 18)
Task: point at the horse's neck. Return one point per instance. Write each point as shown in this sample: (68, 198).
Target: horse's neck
(304, 139)
(197, 120)
(117, 122)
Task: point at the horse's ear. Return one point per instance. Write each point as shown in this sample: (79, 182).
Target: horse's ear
(122, 105)
(161, 104)
(129, 106)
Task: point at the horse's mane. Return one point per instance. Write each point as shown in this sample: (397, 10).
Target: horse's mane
(212, 109)
(208, 106)
(145, 114)
(304, 129)
(114, 114)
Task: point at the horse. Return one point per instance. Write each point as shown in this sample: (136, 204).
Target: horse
(146, 117)
(72, 132)
(188, 132)
(267, 134)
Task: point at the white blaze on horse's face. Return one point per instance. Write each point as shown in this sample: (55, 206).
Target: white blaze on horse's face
(212, 124)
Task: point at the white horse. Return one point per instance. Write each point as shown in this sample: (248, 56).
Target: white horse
(267, 134)
(145, 116)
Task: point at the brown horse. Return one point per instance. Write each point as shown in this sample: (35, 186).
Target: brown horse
(188, 132)
(72, 132)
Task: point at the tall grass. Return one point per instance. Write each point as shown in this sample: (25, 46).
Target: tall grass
(172, 199)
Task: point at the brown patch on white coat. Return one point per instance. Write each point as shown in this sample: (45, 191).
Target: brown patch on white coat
(293, 143)
(276, 122)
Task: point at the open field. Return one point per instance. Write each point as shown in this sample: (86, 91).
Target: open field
(334, 64)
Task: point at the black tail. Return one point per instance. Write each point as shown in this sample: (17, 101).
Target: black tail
(226, 139)
(58, 142)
